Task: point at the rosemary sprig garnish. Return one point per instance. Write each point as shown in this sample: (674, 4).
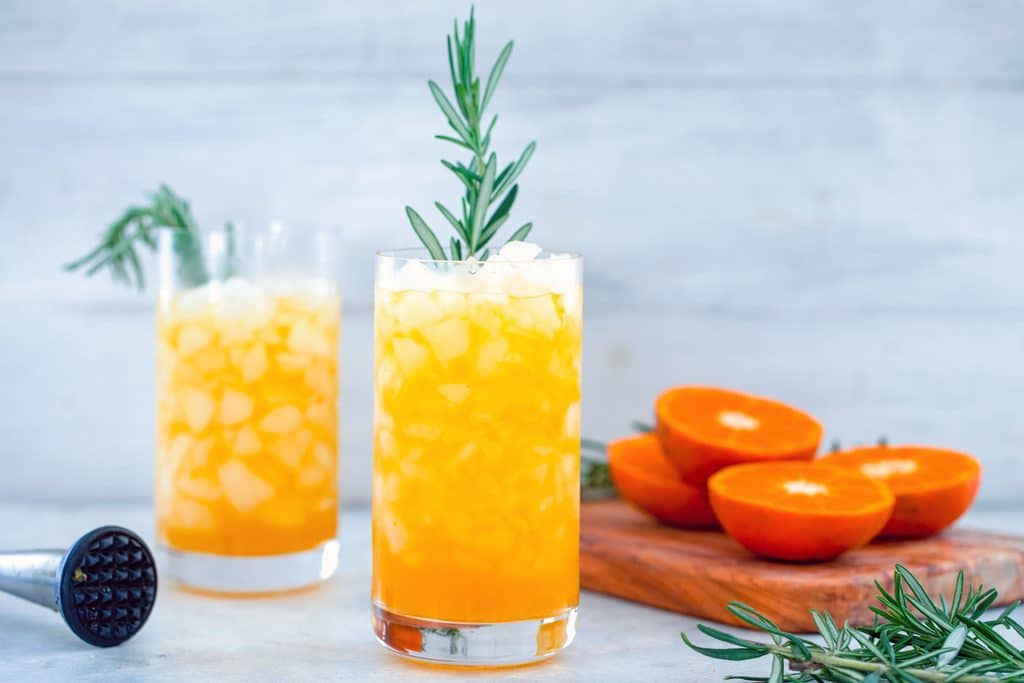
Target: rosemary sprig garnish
(484, 185)
(913, 639)
(137, 227)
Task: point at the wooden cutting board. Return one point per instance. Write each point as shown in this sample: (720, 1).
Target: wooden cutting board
(627, 554)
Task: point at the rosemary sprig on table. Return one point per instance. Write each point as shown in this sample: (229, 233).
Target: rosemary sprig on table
(137, 228)
(484, 185)
(913, 639)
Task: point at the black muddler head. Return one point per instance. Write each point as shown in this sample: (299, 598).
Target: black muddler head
(104, 585)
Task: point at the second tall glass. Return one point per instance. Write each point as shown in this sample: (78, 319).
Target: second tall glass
(476, 457)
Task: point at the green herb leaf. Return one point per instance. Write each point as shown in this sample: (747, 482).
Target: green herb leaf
(517, 168)
(468, 177)
(483, 199)
(500, 180)
(733, 654)
(482, 183)
(138, 226)
(454, 120)
(520, 234)
(506, 205)
(455, 223)
(425, 234)
(451, 61)
(496, 71)
(499, 216)
(904, 644)
(133, 261)
(954, 641)
(487, 136)
(492, 227)
(454, 141)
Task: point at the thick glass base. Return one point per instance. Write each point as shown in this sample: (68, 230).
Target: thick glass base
(497, 644)
(249, 575)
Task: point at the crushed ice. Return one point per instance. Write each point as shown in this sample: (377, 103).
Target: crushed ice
(517, 268)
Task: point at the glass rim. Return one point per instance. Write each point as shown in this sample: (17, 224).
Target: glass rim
(260, 227)
(409, 254)
(275, 225)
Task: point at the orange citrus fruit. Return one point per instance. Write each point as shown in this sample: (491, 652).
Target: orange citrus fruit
(799, 511)
(932, 486)
(645, 478)
(703, 429)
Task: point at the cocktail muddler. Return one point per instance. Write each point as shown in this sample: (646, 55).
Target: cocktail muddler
(104, 585)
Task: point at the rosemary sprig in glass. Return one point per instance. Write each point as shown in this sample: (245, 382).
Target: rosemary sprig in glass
(912, 639)
(137, 227)
(485, 186)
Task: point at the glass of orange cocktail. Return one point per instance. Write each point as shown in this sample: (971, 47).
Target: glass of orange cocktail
(476, 456)
(247, 424)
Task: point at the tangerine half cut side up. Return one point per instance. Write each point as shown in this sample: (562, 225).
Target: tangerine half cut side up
(645, 478)
(799, 511)
(933, 486)
(703, 429)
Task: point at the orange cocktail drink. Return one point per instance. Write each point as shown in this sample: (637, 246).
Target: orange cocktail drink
(247, 432)
(476, 449)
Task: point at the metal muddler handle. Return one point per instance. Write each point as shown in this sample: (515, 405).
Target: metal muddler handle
(104, 585)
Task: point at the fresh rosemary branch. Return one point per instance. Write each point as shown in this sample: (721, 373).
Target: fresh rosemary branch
(484, 184)
(913, 639)
(137, 227)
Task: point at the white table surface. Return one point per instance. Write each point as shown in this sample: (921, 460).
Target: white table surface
(322, 634)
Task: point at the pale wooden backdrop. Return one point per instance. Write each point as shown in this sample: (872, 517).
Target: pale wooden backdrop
(820, 201)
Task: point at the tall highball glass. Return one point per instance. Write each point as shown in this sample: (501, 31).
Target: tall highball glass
(476, 457)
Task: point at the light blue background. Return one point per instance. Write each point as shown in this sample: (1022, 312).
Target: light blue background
(819, 201)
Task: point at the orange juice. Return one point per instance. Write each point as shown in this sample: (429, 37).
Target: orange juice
(247, 425)
(476, 453)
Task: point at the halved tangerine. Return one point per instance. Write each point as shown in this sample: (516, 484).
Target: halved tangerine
(645, 478)
(799, 511)
(932, 486)
(703, 429)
